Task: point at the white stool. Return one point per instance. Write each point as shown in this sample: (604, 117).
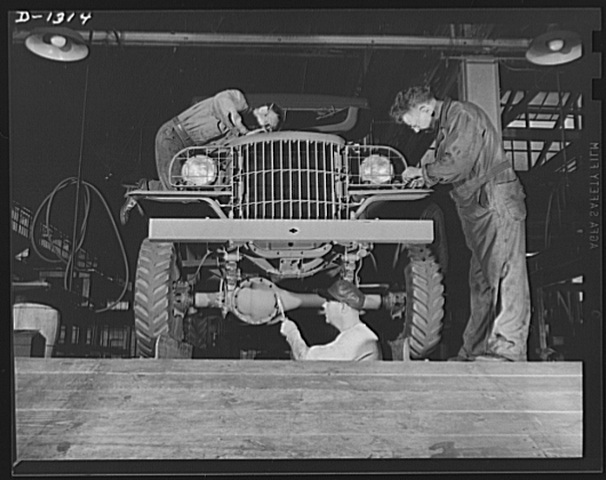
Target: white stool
(35, 316)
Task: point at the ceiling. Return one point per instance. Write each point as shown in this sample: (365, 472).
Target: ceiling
(110, 105)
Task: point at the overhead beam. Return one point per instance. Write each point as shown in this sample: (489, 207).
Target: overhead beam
(175, 39)
(540, 134)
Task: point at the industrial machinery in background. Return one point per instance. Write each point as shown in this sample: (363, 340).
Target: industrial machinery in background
(276, 216)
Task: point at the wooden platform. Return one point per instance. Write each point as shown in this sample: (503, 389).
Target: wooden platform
(80, 409)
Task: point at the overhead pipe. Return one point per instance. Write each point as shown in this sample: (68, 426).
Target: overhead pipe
(397, 42)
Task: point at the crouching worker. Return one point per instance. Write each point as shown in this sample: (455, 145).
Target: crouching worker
(342, 308)
(217, 120)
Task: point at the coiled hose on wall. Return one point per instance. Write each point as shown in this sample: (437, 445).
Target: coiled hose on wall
(47, 232)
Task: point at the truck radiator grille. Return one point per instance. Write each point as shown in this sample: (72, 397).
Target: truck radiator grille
(290, 179)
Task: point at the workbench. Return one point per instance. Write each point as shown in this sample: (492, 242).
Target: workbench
(84, 409)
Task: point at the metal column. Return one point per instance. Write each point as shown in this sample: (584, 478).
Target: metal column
(480, 85)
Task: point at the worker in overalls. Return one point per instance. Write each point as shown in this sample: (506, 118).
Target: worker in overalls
(490, 202)
(355, 341)
(216, 120)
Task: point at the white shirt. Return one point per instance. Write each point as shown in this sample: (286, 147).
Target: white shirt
(358, 343)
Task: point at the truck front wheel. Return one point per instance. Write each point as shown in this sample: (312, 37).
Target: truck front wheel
(154, 305)
(424, 305)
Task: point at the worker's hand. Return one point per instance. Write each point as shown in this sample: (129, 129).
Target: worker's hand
(287, 326)
(257, 130)
(413, 177)
(277, 319)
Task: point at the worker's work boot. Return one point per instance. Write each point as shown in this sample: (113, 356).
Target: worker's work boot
(126, 207)
(130, 202)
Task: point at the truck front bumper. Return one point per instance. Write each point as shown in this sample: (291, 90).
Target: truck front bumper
(219, 230)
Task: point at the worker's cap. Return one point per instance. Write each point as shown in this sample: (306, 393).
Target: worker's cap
(346, 292)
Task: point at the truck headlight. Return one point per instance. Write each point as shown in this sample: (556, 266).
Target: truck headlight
(199, 170)
(376, 169)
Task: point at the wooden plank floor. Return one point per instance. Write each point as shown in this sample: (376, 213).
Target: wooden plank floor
(79, 409)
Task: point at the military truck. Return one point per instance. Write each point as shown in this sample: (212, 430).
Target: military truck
(264, 222)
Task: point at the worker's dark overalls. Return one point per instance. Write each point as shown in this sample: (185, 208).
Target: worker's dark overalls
(490, 203)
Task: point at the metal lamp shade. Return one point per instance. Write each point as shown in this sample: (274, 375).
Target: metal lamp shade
(555, 48)
(58, 44)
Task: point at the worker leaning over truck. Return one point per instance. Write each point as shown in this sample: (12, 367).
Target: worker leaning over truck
(215, 120)
(342, 308)
(490, 202)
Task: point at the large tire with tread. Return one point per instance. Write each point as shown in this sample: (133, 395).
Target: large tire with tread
(424, 305)
(157, 271)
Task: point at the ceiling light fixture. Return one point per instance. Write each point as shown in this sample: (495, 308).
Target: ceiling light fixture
(57, 43)
(555, 47)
